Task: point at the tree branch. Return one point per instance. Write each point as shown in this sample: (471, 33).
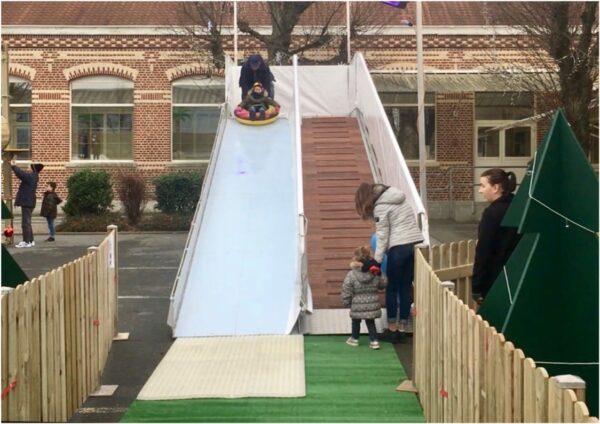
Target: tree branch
(245, 27)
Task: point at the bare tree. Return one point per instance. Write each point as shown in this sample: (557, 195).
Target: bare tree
(202, 24)
(560, 62)
(302, 28)
(365, 19)
(284, 17)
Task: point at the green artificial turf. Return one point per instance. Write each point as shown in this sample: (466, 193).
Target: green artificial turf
(343, 384)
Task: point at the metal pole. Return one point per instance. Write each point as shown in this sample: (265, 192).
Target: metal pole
(6, 156)
(421, 107)
(348, 29)
(5, 95)
(235, 33)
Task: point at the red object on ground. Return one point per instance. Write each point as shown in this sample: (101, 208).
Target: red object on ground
(8, 232)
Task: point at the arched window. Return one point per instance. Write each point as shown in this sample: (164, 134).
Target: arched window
(20, 116)
(196, 109)
(101, 118)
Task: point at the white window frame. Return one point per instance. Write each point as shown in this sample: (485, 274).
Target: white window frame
(502, 160)
(100, 105)
(517, 164)
(15, 79)
(415, 162)
(186, 81)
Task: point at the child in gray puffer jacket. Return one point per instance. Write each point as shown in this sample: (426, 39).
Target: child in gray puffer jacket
(360, 294)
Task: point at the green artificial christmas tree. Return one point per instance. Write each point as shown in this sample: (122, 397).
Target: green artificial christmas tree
(546, 299)
(12, 274)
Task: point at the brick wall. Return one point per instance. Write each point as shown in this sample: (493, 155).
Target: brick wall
(52, 62)
(152, 62)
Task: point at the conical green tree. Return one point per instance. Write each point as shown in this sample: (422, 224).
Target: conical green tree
(546, 299)
(12, 274)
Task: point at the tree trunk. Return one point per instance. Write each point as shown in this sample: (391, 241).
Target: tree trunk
(284, 16)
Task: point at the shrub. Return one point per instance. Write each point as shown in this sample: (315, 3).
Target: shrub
(178, 192)
(163, 222)
(90, 192)
(92, 223)
(132, 191)
(155, 221)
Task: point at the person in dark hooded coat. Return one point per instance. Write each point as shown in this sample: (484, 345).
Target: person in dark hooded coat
(25, 198)
(256, 70)
(495, 242)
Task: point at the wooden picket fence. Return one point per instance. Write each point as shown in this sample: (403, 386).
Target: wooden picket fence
(464, 370)
(57, 330)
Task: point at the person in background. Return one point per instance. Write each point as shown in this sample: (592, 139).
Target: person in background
(256, 70)
(26, 199)
(495, 243)
(397, 233)
(50, 208)
(95, 147)
(359, 293)
(257, 101)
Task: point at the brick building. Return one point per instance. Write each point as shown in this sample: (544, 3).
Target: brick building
(114, 86)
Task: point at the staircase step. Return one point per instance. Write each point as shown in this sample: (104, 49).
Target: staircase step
(334, 164)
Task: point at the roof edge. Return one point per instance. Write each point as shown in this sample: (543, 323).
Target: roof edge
(299, 30)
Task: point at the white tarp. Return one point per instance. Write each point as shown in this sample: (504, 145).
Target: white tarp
(323, 89)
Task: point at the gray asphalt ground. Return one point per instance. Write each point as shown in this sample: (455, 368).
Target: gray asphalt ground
(148, 264)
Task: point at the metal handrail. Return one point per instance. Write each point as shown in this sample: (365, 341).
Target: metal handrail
(188, 251)
(295, 128)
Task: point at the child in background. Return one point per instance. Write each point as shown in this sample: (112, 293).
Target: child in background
(50, 208)
(360, 294)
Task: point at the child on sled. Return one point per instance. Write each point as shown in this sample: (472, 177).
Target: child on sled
(258, 101)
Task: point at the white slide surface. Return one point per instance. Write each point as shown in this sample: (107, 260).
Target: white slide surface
(243, 270)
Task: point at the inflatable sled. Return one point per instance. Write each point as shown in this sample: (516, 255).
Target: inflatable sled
(243, 116)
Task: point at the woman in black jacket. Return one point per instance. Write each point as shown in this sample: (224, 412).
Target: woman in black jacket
(495, 242)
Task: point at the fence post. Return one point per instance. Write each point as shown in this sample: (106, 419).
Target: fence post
(449, 285)
(573, 382)
(114, 263)
(93, 299)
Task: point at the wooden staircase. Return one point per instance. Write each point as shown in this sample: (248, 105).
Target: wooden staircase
(334, 162)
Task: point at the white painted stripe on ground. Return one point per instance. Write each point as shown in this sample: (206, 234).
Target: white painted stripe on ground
(102, 410)
(147, 267)
(125, 268)
(143, 297)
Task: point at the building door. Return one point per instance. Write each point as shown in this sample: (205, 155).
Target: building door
(509, 149)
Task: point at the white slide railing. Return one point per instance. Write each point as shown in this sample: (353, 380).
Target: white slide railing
(387, 160)
(295, 119)
(191, 242)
